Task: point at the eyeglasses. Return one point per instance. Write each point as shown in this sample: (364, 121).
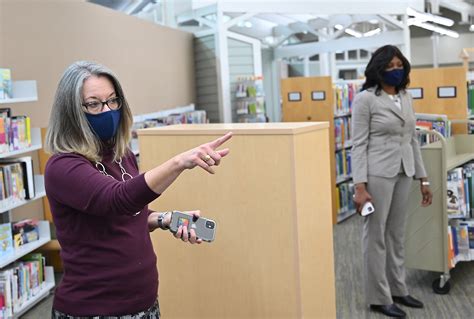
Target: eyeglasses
(95, 107)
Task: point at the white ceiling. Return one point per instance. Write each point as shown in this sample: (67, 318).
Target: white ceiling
(275, 21)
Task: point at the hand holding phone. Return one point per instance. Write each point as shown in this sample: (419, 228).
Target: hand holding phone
(367, 209)
(204, 228)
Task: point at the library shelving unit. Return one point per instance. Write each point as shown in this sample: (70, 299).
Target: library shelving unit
(25, 91)
(441, 91)
(249, 100)
(319, 99)
(427, 243)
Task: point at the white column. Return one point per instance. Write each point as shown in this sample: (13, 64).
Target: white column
(406, 38)
(223, 78)
(276, 78)
(435, 43)
(324, 57)
(168, 13)
(306, 66)
(332, 60)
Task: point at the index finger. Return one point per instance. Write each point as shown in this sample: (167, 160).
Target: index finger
(221, 140)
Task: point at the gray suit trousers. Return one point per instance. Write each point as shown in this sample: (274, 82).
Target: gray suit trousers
(383, 239)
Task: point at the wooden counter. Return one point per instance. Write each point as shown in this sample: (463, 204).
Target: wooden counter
(271, 199)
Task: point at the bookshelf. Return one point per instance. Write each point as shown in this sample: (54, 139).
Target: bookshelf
(426, 86)
(249, 100)
(427, 241)
(44, 237)
(319, 99)
(46, 287)
(22, 91)
(26, 91)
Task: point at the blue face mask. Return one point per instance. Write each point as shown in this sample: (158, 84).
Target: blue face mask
(394, 77)
(105, 124)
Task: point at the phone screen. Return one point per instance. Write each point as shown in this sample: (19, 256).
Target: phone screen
(183, 222)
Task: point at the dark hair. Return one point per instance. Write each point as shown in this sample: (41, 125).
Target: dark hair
(378, 63)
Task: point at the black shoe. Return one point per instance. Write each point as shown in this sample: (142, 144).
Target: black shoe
(389, 310)
(408, 301)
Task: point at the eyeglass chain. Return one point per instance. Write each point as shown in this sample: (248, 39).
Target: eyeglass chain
(102, 170)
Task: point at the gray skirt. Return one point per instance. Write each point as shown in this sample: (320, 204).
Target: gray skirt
(152, 313)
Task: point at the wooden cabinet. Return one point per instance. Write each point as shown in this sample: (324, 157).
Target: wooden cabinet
(273, 253)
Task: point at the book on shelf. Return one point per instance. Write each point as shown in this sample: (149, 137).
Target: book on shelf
(249, 86)
(436, 122)
(343, 163)
(26, 163)
(6, 239)
(5, 83)
(457, 194)
(191, 117)
(462, 236)
(344, 200)
(470, 97)
(342, 131)
(24, 232)
(344, 95)
(249, 103)
(21, 282)
(15, 131)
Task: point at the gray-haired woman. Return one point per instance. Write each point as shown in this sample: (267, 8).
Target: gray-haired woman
(99, 200)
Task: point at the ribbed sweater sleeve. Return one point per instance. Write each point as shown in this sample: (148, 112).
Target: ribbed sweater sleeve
(74, 181)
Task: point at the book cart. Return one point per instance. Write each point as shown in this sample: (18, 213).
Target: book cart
(427, 241)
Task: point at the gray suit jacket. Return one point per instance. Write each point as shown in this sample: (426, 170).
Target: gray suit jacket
(383, 137)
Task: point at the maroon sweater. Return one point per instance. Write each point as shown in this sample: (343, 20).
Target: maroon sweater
(109, 262)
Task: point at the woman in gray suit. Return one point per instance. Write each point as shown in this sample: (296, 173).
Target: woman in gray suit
(386, 157)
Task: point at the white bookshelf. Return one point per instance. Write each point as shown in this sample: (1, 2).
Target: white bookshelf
(26, 91)
(22, 91)
(45, 290)
(40, 192)
(35, 145)
(44, 237)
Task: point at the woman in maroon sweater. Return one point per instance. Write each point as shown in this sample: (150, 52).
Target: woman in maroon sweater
(99, 199)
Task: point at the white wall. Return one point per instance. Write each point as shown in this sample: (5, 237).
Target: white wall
(448, 50)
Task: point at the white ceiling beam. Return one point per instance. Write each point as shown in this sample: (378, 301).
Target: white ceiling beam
(463, 8)
(393, 21)
(343, 44)
(192, 14)
(205, 22)
(322, 7)
(244, 17)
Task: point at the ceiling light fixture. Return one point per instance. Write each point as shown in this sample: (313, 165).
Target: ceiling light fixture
(349, 31)
(427, 17)
(372, 32)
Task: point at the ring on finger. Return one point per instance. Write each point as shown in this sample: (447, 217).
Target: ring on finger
(207, 158)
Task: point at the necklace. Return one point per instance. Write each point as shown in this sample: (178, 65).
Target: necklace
(125, 175)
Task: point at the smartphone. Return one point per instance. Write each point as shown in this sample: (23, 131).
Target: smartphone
(367, 209)
(205, 228)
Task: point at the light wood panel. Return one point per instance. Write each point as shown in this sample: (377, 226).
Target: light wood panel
(430, 79)
(274, 237)
(309, 110)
